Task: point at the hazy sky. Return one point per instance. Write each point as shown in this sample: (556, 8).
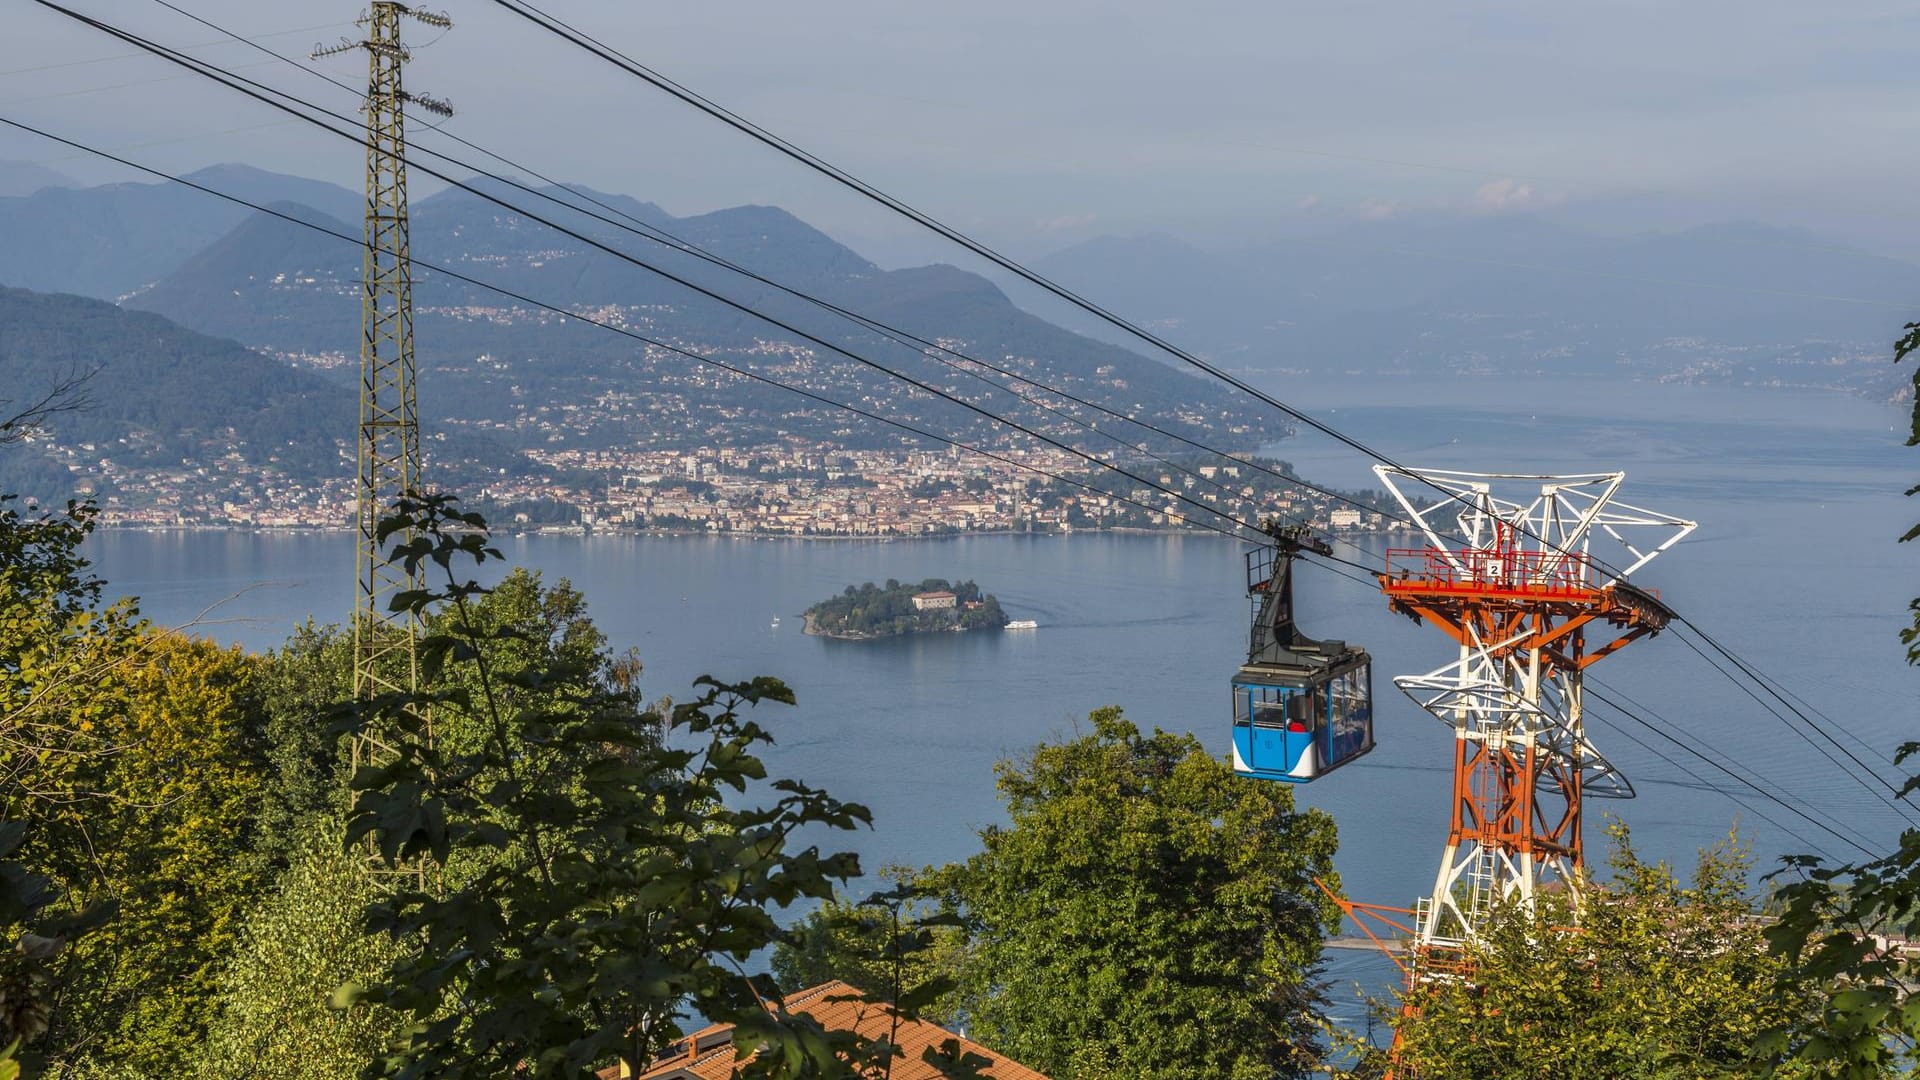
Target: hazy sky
(1037, 123)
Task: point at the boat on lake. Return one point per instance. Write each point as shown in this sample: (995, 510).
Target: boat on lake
(1022, 624)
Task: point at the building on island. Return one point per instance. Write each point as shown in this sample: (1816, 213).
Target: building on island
(709, 1054)
(934, 601)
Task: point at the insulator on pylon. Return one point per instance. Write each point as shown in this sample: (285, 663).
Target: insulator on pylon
(436, 106)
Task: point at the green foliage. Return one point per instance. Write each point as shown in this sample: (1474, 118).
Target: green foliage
(1835, 920)
(889, 945)
(162, 828)
(275, 1014)
(1145, 914)
(1834, 929)
(307, 759)
(869, 610)
(599, 883)
(57, 646)
(1654, 978)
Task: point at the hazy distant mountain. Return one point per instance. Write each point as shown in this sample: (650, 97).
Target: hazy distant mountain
(25, 178)
(162, 395)
(1509, 293)
(495, 363)
(107, 241)
(165, 400)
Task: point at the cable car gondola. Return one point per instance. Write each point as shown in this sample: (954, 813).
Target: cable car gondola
(1301, 708)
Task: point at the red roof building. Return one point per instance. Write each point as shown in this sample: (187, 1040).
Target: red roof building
(708, 1054)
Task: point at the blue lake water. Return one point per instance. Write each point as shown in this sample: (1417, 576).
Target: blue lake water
(1794, 567)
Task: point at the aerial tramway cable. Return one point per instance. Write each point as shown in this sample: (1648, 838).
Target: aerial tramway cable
(580, 39)
(655, 234)
(209, 70)
(254, 90)
(590, 320)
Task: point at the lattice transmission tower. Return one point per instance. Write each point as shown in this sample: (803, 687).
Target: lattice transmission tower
(1530, 607)
(385, 657)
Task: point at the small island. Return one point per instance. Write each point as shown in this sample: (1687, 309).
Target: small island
(870, 611)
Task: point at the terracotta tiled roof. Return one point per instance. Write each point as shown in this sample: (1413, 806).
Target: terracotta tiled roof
(708, 1054)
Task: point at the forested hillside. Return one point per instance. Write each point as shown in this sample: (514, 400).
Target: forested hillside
(171, 413)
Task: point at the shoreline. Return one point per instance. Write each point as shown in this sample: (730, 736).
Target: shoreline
(590, 534)
(813, 630)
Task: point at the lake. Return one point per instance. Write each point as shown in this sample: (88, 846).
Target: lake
(1794, 567)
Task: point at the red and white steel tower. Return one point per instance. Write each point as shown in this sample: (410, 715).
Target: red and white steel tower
(1531, 607)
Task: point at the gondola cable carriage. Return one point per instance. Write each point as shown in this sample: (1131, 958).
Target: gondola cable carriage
(1301, 707)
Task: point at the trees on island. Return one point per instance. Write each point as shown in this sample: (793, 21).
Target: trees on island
(870, 610)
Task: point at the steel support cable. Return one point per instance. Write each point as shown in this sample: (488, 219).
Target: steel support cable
(1807, 801)
(658, 235)
(580, 39)
(197, 67)
(234, 82)
(1008, 264)
(1766, 684)
(1708, 785)
(647, 231)
(623, 331)
(1366, 582)
(1717, 764)
(1727, 768)
(1803, 703)
(1898, 805)
(1670, 760)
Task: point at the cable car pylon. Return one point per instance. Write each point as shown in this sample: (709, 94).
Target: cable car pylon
(1530, 608)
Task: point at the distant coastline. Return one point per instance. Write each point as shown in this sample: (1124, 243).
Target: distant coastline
(584, 532)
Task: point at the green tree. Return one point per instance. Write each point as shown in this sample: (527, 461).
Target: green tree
(891, 946)
(275, 1015)
(1836, 919)
(1652, 978)
(1145, 914)
(307, 759)
(163, 829)
(605, 874)
(56, 644)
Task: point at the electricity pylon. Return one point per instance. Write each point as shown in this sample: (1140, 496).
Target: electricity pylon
(385, 657)
(1518, 597)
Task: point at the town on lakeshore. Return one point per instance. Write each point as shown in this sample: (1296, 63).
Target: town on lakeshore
(802, 489)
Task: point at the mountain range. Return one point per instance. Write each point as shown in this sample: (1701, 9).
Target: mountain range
(504, 383)
(1513, 294)
(504, 378)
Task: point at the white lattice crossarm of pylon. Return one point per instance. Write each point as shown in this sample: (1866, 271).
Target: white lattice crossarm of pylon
(1479, 706)
(1553, 518)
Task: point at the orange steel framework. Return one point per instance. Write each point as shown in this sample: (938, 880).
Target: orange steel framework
(1530, 610)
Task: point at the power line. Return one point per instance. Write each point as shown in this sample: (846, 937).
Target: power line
(208, 70)
(655, 234)
(624, 331)
(196, 45)
(823, 399)
(234, 82)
